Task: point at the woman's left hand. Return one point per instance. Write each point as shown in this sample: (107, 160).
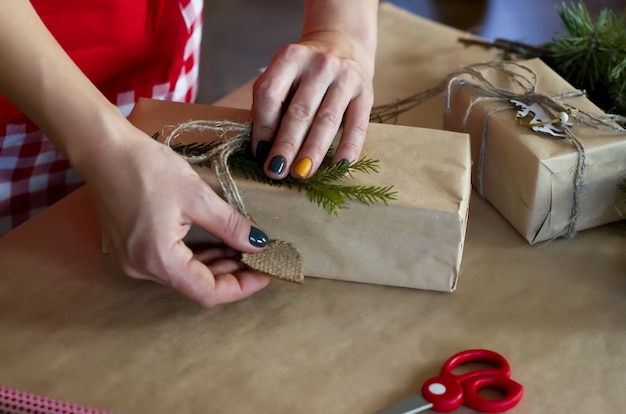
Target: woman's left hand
(307, 92)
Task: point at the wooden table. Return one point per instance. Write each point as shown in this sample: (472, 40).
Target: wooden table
(73, 328)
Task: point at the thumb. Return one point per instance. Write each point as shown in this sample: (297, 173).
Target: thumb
(224, 222)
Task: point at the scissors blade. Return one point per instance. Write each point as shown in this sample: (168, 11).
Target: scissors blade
(411, 405)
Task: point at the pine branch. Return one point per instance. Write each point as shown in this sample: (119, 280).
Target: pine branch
(325, 188)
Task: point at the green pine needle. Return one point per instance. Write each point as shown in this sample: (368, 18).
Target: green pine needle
(591, 52)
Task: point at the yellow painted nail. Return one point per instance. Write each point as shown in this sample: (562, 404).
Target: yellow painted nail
(303, 167)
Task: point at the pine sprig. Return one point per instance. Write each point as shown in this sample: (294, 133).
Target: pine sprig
(365, 165)
(326, 188)
(592, 54)
(334, 197)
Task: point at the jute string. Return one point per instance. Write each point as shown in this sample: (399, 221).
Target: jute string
(279, 259)
(524, 81)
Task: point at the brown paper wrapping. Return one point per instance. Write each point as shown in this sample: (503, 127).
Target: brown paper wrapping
(73, 328)
(529, 176)
(416, 241)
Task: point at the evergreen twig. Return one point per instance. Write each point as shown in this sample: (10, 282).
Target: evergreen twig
(325, 188)
(592, 55)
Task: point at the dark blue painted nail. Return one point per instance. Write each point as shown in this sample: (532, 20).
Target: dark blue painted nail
(257, 237)
(277, 165)
(263, 150)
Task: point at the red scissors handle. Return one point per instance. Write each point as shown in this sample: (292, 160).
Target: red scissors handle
(448, 391)
(511, 390)
(498, 364)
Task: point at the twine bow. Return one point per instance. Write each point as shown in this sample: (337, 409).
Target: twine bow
(279, 259)
(524, 79)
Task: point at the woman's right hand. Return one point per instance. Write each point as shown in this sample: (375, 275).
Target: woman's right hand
(147, 197)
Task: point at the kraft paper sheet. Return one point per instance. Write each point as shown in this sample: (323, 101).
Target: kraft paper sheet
(529, 176)
(74, 328)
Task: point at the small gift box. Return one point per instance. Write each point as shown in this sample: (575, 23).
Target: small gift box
(415, 241)
(546, 186)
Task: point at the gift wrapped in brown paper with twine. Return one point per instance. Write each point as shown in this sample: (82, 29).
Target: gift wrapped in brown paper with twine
(415, 241)
(546, 186)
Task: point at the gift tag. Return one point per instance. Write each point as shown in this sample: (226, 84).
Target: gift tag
(534, 117)
(279, 259)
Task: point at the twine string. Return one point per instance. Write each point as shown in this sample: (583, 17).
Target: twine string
(579, 180)
(279, 259)
(524, 81)
(218, 156)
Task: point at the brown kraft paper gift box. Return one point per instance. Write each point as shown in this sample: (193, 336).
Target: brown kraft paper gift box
(416, 241)
(529, 176)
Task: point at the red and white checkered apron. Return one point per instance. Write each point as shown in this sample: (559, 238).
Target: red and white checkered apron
(129, 49)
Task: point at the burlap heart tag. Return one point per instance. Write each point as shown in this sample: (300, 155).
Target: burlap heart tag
(279, 259)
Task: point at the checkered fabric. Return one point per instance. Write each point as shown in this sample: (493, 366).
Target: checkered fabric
(156, 53)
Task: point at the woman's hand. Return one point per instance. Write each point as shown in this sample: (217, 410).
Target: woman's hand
(147, 197)
(313, 87)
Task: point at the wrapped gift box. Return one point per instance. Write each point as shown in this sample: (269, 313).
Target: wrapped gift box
(528, 176)
(416, 241)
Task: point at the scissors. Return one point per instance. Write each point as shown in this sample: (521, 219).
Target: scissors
(448, 391)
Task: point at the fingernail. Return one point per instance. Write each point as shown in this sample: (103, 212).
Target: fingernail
(343, 163)
(262, 150)
(257, 237)
(277, 165)
(303, 167)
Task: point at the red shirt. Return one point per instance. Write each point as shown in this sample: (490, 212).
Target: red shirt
(129, 49)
